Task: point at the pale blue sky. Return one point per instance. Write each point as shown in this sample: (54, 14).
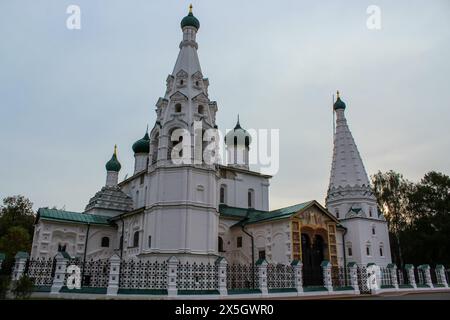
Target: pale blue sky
(66, 97)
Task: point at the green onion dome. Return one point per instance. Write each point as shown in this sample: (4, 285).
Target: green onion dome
(142, 145)
(113, 164)
(339, 104)
(190, 20)
(238, 136)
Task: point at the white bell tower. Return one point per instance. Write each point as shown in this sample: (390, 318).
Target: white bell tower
(351, 199)
(181, 209)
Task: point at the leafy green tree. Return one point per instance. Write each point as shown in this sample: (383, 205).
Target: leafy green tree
(428, 235)
(392, 192)
(16, 228)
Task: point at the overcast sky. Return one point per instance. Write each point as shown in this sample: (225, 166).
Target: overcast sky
(67, 96)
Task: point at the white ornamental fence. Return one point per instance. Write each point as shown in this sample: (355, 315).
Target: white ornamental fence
(114, 277)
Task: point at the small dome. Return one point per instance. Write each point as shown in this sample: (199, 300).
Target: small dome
(339, 104)
(113, 164)
(190, 20)
(142, 145)
(238, 134)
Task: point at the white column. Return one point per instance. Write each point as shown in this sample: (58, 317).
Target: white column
(412, 280)
(298, 275)
(222, 275)
(60, 273)
(393, 270)
(353, 275)
(326, 269)
(114, 274)
(440, 275)
(2, 258)
(172, 276)
(426, 272)
(262, 276)
(19, 267)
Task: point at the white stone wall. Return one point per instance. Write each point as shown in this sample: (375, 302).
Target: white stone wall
(237, 189)
(49, 234)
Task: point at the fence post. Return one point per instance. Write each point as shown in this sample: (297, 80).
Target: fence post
(261, 264)
(19, 267)
(353, 274)
(326, 269)
(393, 270)
(298, 277)
(412, 280)
(172, 273)
(426, 271)
(114, 274)
(60, 273)
(222, 275)
(374, 278)
(2, 258)
(440, 274)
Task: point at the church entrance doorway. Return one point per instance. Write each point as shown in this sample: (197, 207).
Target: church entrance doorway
(313, 248)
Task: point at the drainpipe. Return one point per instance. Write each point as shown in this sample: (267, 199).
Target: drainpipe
(253, 255)
(85, 251)
(345, 254)
(121, 244)
(86, 242)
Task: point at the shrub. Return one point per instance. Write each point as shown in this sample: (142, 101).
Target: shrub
(23, 287)
(4, 285)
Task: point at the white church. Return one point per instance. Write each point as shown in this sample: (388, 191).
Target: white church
(202, 211)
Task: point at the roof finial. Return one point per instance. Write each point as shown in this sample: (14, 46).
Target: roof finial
(238, 120)
(190, 8)
(115, 150)
(147, 128)
(337, 94)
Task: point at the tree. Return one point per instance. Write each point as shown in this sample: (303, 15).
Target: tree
(392, 192)
(16, 228)
(428, 235)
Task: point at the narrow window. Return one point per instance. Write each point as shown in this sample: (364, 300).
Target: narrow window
(381, 252)
(368, 250)
(373, 230)
(178, 108)
(181, 82)
(223, 193)
(149, 241)
(370, 212)
(262, 254)
(105, 242)
(142, 177)
(239, 242)
(201, 109)
(220, 244)
(136, 239)
(250, 198)
(337, 213)
(350, 253)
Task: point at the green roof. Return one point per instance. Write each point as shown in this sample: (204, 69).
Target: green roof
(61, 215)
(142, 145)
(249, 216)
(113, 164)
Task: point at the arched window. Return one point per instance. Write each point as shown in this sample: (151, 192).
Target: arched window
(136, 239)
(172, 145)
(201, 109)
(220, 244)
(149, 241)
(223, 193)
(349, 249)
(155, 146)
(381, 250)
(251, 198)
(105, 242)
(337, 213)
(62, 248)
(178, 107)
(368, 249)
(370, 212)
(137, 199)
(373, 230)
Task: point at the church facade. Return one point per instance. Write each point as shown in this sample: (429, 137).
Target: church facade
(202, 211)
